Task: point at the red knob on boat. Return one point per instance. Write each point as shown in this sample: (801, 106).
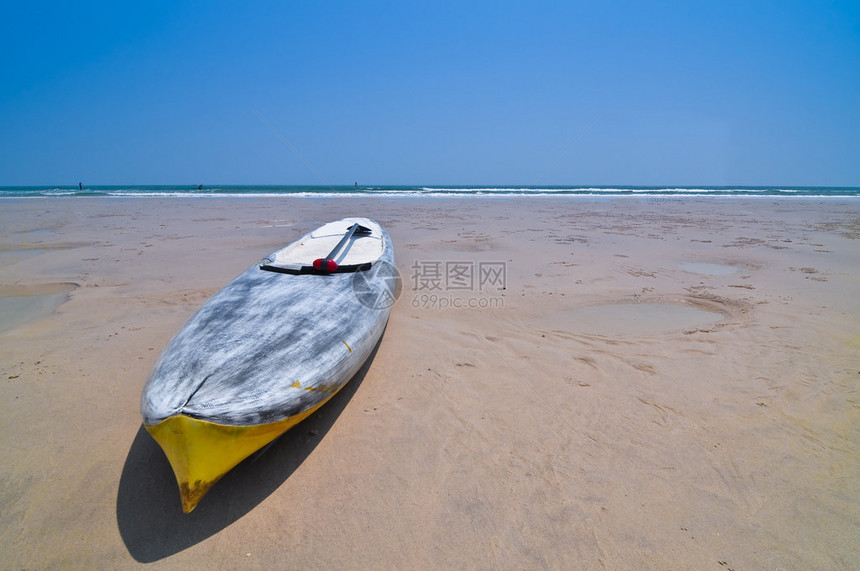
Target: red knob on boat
(325, 265)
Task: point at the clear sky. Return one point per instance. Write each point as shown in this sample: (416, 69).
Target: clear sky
(436, 92)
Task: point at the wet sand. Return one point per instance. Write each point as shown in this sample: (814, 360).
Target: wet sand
(563, 383)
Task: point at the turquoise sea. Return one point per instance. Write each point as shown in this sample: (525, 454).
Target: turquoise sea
(212, 191)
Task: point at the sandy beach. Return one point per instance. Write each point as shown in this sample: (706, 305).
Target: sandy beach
(564, 383)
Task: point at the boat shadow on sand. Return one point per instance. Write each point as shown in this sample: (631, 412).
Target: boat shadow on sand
(148, 509)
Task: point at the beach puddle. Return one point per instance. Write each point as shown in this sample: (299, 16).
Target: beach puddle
(22, 304)
(708, 269)
(631, 319)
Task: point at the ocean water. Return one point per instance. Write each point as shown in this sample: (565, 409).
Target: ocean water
(213, 191)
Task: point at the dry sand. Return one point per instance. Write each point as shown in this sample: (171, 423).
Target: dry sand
(659, 384)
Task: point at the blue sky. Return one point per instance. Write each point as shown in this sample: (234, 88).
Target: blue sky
(473, 93)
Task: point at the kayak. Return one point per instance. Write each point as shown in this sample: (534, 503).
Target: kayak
(268, 350)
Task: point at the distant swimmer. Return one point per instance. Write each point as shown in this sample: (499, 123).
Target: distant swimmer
(80, 186)
(356, 185)
(199, 187)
